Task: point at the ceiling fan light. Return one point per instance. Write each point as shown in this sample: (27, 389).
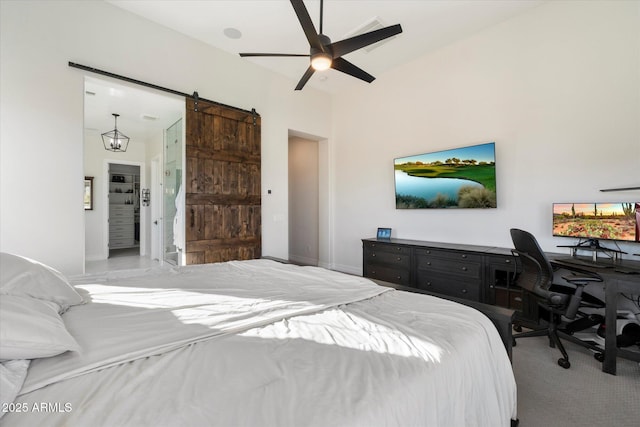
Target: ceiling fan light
(321, 61)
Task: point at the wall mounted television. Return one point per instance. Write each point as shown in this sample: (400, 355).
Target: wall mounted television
(618, 221)
(456, 178)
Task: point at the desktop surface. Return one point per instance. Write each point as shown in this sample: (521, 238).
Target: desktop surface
(619, 266)
(585, 262)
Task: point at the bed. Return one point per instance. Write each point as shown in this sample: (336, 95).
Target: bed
(242, 343)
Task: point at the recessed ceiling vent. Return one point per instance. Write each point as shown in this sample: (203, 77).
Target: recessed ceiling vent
(371, 25)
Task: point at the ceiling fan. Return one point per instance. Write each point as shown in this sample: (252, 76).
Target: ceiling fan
(324, 54)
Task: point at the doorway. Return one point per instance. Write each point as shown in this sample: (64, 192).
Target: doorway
(303, 201)
(309, 217)
(124, 220)
(144, 116)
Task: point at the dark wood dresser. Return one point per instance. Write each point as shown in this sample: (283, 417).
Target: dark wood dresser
(483, 274)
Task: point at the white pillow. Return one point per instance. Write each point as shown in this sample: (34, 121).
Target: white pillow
(12, 375)
(25, 277)
(31, 328)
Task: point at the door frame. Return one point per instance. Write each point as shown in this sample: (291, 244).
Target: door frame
(156, 204)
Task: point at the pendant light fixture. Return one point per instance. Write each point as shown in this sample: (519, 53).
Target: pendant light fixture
(115, 140)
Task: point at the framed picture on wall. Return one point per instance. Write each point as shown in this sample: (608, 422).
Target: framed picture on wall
(88, 193)
(384, 233)
(449, 179)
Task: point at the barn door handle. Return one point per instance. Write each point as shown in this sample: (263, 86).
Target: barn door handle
(193, 218)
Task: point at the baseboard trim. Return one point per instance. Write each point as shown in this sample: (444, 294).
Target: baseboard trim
(299, 259)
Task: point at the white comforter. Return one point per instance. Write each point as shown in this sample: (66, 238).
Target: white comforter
(321, 348)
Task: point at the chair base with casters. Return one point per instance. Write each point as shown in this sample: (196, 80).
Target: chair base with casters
(556, 331)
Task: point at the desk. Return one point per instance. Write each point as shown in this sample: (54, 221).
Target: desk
(615, 283)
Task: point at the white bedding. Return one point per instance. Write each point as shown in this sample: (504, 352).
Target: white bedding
(323, 349)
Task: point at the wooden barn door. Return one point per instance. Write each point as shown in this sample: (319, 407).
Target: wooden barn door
(222, 184)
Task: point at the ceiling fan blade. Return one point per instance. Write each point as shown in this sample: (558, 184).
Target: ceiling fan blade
(345, 46)
(307, 24)
(347, 67)
(305, 78)
(274, 54)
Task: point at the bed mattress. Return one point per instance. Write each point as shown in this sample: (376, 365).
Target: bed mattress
(260, 343)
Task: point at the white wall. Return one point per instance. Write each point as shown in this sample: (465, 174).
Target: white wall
(41, 115)
(557, 89)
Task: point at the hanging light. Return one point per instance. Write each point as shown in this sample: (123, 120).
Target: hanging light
(115, 140)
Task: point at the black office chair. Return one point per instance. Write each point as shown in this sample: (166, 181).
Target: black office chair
(536, 277)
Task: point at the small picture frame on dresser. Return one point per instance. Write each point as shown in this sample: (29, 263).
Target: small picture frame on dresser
(384, 233)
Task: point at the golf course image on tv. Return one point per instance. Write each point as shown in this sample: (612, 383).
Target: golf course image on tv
(456, 178)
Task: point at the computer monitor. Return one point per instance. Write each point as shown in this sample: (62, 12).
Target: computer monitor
(619, 221)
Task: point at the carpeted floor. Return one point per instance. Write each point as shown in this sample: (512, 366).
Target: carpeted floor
(583, 395)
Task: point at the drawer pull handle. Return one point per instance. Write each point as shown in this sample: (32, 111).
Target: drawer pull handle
(464, 268)
(399, 259)
(428, 262)
(517, 299)
(399, 277)
(507, 261)
(464, 291)
(398, 249)
(373, 255)
(464, 255)
(428, 283)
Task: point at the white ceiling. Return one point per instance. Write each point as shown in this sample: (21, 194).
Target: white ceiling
(143, 113)
(272, 26)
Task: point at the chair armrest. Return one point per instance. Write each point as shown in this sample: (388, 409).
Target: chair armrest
(577, 280)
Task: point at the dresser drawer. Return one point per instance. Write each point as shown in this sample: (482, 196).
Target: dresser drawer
(387, 273)
(121, 243)
(120, 228)
(120, 211)
(120, 207)
(447, 286)
(387, 247)
(120, 221)
(380, 257)
(467, 269)
(503, 260)
(452, 255)
(120, 235)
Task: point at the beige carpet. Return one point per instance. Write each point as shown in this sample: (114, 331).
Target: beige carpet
(583, 395)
